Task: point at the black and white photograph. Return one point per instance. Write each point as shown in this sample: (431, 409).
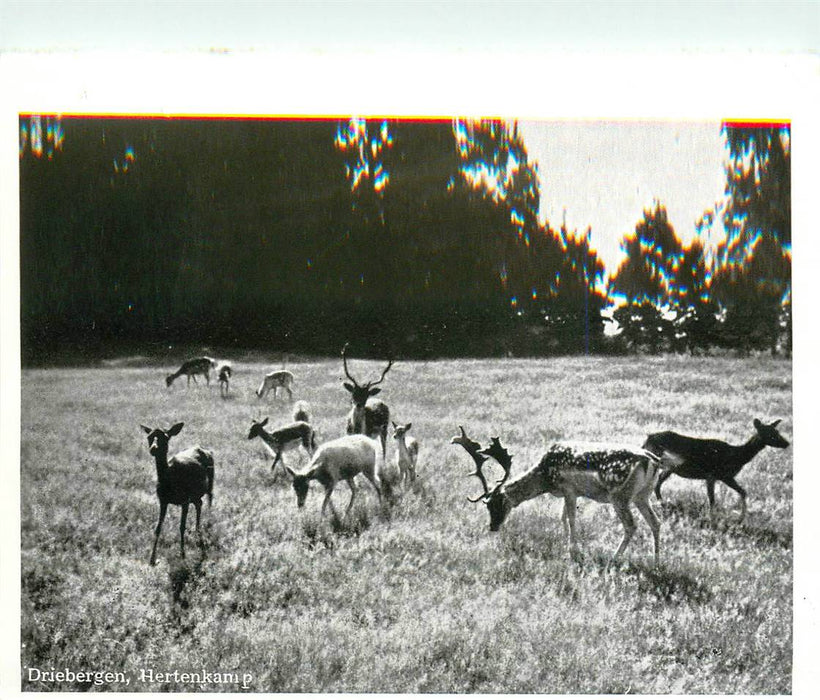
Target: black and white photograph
(330, 371)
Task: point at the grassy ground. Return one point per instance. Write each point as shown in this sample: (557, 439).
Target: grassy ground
(420, 597)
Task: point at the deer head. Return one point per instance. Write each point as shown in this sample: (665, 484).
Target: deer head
(158, 438)
(494, 498)
(769, 434)
(360, 393)
(256, 428)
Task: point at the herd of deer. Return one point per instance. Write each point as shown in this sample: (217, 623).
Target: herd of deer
(621, 475)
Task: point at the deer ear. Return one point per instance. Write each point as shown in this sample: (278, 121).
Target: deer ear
(348, 386)
(289, 471)
(264, 422)
(758, 425)
(394, 424)
(373, 392)
(408, 426)
(175, 429)
(774, 425)
(147, 430)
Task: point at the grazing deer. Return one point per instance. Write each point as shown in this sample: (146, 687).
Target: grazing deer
(342, 458)
(182, 480)
(224, 372)
(617, 474)
(281, 378)
(190, 368)
(711, 460)
(287, 437)
(368, 416)
(407, 453)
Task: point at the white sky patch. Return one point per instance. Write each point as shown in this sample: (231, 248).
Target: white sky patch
(604, 174)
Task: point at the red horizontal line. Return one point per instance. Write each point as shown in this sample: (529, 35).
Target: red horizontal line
(757, 123)
(240, 117)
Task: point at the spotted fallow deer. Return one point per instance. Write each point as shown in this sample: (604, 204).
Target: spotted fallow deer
(608, 473)
(286, 437)
(407, 452)
(190, 368)
(182, 480)
(368, 416)
(711, 460)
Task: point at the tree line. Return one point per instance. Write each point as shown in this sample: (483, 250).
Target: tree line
(402, 237)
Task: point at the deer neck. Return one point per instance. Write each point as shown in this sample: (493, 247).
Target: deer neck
(524, 487)
(742, 454)
(161, 460)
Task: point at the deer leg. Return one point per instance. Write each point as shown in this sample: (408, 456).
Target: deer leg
(198, 507)
(290, 393)
(710, 492)
(568, 520)
(732, 484)
(663, 477)
(163, 507)
(625, 515)
(374, 479)
(327, 501)
(276, 460)
(352, 484)
(182, 519)
(642, 504)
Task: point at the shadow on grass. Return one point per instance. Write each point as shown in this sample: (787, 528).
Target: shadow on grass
(664, 584)
(726, 522)
(183, 574)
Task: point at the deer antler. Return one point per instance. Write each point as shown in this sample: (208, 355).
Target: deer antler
(474, 450)
(499, 453)
(344, 362)
(381, 379)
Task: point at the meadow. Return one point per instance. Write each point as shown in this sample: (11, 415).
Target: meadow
(417, 597)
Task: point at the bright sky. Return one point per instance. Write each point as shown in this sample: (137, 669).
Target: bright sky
(604, 174)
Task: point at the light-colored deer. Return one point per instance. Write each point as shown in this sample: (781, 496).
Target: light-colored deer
(368, 416)
(287, 437)
(407, 451)
(182, 480)
(340, 459)
(711, 460)
(280, 379)
(190, 368)
(617, 474)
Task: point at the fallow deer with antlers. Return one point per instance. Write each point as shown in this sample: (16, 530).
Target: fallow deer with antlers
(368, 416)
(617, 474)
(711, 460)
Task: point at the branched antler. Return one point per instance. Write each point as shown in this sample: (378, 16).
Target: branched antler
(499, 453)
(367, 385)
(474, 450)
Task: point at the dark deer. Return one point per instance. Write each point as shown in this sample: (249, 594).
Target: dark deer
(190, 368)
(368, 416)
(287, 437)
(617, 474)
(224, 372)
(182, 480)
(711, 460)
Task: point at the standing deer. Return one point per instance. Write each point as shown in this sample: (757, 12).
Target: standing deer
(287, 437)
(711, 460)
(407, 452)
(368, 416)
(224, 372)
(342, 458)
(182, 480)
(280, 379)
(190, 368)
(617, 474)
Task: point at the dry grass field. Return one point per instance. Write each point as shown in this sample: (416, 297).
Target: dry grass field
(418, 597)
